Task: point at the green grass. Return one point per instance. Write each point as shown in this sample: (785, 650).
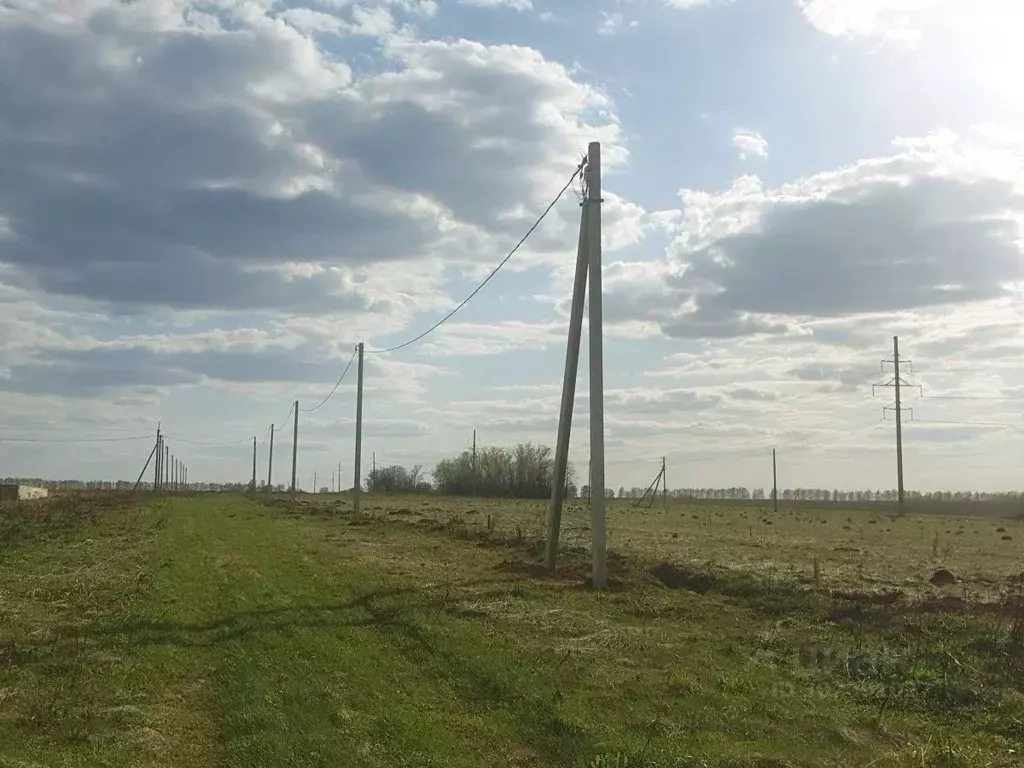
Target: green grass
(220, 631)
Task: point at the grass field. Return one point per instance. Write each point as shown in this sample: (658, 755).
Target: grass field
(217, 630)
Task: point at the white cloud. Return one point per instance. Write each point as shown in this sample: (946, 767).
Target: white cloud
(613, 23)
(279, 174)
(894, 18)
(888, 234)
(517, 5)
(749, 143)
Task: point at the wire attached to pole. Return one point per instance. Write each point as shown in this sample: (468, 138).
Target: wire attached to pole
(336, 385)
(446, 318)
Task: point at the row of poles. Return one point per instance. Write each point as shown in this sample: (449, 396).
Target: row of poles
(357, 474)
(170, 474)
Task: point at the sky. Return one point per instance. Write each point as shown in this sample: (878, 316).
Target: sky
(206, 204)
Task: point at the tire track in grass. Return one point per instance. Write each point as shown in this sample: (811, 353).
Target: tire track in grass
(300, 673)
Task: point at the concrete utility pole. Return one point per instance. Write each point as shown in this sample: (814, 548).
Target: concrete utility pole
(474, 463)
(899, 420)
(357, 478)
(775, 483)
(270, 461)
(572, 361)
(254, 465)
(314, 482)
(165, 468)
(159, 456)
(897, 383)
(295, 446)
(596, 332)
(664, 484)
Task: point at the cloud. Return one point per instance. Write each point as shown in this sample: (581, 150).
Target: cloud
(516, 5)
(226, 160)
(613, 23)
(749, 143)
(686, 3)
(937, 224)
(889, 18)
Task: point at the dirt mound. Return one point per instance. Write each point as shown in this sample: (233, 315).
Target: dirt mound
(942, 578)
(568, 569)
(681, 577)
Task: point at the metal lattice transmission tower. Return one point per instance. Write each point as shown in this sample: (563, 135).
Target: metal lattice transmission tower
(897, 383)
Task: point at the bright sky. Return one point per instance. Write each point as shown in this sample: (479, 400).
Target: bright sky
(204, 204)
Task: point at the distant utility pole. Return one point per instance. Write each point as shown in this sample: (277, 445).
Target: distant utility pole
(664, 484)
(374, 475)
(339, 477)
(356, 479)
(165, 468)
(897, 383)
(651, 494)
(270, 461)
(588, 268)
(254, 465)
(295, 446)
(775, 484)
(474, 462)
(314, 482)
(159, 456)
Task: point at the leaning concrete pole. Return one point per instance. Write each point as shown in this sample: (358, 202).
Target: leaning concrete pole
(572, 361)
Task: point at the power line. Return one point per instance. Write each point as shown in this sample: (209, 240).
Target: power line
(207, 444)
(73, 440)
(287, 418)
(973, 397)
(336, 385)
(969, 423)
(495, 271)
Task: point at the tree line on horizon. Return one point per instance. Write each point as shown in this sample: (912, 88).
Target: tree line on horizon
(526, 471)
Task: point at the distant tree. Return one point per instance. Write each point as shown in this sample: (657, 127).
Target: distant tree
(524, 471)
(397, 479)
